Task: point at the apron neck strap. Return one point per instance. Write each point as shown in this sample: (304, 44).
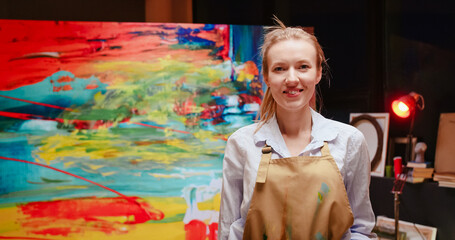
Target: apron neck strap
(264, 164)
(325, 149)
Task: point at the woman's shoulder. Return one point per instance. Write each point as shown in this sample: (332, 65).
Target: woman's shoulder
(244, 132)
(345, 130)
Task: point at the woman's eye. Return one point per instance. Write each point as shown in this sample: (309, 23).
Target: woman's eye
(278, 69)
(304, 66)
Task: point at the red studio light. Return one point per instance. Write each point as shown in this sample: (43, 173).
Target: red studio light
(405, 105)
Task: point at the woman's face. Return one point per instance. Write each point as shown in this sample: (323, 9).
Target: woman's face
(293, 73)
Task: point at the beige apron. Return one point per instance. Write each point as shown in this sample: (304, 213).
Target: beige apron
(298, 198)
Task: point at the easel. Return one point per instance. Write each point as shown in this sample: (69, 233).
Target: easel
(397, 189)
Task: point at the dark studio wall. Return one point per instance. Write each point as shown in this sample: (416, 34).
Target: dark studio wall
(420, 54)
(79, 10)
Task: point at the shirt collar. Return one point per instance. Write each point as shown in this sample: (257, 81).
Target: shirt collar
(322, 130)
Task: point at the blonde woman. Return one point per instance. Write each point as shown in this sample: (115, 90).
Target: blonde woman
(295, 174)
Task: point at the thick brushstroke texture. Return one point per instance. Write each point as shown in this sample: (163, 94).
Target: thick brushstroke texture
(142, 108)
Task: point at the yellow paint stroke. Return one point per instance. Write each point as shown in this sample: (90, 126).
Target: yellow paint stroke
(110, 147)
(210, 204)
(7, 221)
(172, 175)
(94, 167)
(99, 97)
(204, 136)
(68, 164)
(71, 187)
(108, 173)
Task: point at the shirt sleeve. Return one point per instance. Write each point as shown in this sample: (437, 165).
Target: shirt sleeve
(357, 187)
(230, 223)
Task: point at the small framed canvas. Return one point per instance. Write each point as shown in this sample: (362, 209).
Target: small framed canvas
(385, 229)
(375, 128)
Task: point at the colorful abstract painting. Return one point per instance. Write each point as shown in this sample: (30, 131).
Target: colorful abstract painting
(117, 130)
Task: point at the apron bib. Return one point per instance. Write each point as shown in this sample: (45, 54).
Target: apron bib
(300, 197)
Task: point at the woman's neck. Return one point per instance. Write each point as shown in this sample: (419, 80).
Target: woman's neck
(293, 122)
(295, 128)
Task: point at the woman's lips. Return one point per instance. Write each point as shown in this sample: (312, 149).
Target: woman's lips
(293, 91)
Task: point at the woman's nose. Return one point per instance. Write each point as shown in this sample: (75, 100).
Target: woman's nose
(292, 75)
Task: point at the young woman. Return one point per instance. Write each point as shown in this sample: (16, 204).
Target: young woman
(295, 174)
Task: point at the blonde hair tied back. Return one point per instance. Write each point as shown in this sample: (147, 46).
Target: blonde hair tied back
(274, 34)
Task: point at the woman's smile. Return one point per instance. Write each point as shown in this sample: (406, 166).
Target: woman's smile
(293, 74)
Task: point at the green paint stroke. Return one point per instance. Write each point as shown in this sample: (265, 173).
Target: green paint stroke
(323, 192)
(319, 236)
(289, 232)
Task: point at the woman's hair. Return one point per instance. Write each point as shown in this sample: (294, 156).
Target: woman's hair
(275, 34)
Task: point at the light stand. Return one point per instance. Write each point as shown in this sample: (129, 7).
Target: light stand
(404, 107)
(398, 185)
(409, 148)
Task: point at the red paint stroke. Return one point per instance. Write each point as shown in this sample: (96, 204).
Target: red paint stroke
(247, 99)
(197, 230)
(93, 209)
(27, 116)
(76, 216)
(78, 124)
(91, 86)
(33, 50)
(185, 108)
(65, 79)
(24, 238)
(212, 111)
(37, 103)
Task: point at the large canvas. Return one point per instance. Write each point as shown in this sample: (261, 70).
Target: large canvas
(117, 130)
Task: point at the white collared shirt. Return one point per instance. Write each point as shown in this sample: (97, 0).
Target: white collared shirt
(243, 153)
